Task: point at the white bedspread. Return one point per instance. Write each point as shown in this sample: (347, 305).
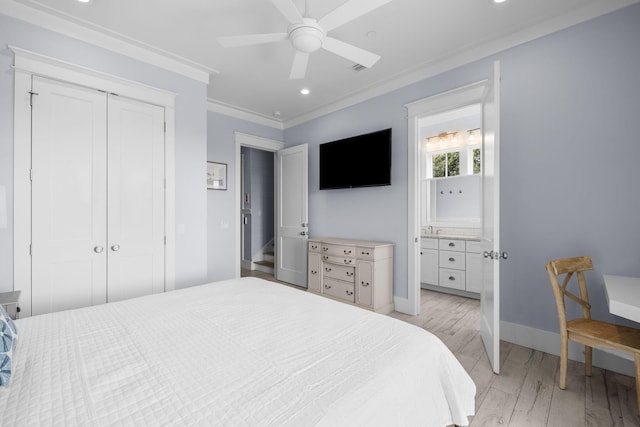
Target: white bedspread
(242, 352)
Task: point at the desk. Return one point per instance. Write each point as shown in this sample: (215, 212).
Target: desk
(623, 296)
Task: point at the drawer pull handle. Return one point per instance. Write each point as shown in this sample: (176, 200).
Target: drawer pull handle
(365, 253)
(363, 283)
(325, 249)
(347, 252)
(452, 259)
(452, 278)
(325, 257)
(327, 286)
(452, 245)
(314, 272)
(327, 269)
(347, 261)
(349, 273)
(349, 293)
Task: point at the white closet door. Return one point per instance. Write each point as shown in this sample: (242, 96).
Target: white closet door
(136, 199)
(68, 197)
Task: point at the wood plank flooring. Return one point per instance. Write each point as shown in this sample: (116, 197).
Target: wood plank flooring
(526, 392)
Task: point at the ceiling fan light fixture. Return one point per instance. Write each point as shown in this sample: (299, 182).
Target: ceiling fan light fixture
(306, 37)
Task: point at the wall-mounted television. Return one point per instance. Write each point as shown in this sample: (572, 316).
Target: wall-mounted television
(358, 161)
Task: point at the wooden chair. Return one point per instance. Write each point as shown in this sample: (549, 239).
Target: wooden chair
(591, 333)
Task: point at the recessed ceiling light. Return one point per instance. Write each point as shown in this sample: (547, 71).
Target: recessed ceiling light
(498, 1)
(305, 91)
(84, 1)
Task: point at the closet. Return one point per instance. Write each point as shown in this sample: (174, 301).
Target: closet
(98, 195)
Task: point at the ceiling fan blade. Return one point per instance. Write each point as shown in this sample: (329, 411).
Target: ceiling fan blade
(350, 52)
(299, 67)
(289, 10)
(251, 39)
(348, 12)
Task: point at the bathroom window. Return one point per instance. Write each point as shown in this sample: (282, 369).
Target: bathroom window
(446, 164)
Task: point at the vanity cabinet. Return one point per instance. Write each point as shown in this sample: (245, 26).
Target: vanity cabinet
(429, 261)
(451, 264)
(474, 266)
(353, 271)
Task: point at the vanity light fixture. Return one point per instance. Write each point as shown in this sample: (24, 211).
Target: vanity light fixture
(452, 139)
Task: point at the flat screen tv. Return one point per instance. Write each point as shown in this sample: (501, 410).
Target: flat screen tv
(358, 161)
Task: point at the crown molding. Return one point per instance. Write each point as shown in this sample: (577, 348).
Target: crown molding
(243, 114)
(109, 40)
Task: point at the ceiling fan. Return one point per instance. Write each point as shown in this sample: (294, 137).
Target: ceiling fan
(308, 34)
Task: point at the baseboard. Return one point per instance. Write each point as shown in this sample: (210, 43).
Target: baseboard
(246, 264)
(403, 305)
(549, 342)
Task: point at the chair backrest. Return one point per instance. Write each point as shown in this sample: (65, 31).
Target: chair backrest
(569, 267)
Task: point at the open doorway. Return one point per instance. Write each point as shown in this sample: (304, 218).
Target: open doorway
(257, 212)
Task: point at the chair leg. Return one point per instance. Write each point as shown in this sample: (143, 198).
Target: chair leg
(563, 362)
(637, 357)
(588, 351)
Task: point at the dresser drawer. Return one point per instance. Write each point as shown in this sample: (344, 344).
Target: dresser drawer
(451, 245)
(340, 272)
(366, 253)
(452, 278)
(448, 259)
(315, 246)
(338, 260)
(338, 250)
(339, 289)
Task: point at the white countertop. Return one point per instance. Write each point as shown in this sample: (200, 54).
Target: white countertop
(623, 296)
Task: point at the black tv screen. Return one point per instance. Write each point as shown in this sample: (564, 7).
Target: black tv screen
(358, 161)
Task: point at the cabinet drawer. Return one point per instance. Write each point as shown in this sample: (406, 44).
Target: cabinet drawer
(426, 243)
(449, 259)
(366, 253)
(339, 260)
(452, 278)
(340, 272)
(474, 247)
(338, 250)
(314, 246)
(339, 289)
(451, 245)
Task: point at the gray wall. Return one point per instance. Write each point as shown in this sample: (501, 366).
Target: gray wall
(190, 134)
(221, 219)
(570, 163)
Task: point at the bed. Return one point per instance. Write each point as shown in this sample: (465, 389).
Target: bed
(241, 352)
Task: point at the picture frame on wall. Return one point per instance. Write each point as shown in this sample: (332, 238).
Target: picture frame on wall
(216, 176)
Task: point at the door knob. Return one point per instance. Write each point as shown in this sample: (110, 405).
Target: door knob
(115, 248)
(98, 249)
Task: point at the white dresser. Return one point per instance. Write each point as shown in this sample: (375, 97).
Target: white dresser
(354, 271)
(451, 264)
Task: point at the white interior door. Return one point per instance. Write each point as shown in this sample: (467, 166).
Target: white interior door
(292, 193)
(490, 293)
(68, 247)
(136, 199)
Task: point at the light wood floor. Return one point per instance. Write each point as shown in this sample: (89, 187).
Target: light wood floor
(526, 392)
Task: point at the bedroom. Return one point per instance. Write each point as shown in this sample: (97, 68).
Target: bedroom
(570, 102)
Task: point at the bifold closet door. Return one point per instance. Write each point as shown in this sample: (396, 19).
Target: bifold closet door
(135, 199)
(69, 210)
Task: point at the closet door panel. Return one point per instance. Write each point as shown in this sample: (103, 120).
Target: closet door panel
(136, 199)
(68, 197)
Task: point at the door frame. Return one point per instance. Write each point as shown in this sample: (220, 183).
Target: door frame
(257, 142)
(450, 100)
(28, 64)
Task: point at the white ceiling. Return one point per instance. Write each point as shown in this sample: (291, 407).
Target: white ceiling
(415, 38)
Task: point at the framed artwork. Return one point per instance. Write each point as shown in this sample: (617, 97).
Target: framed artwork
(216, 176)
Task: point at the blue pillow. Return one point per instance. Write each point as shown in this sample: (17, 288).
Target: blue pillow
(8, 340)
